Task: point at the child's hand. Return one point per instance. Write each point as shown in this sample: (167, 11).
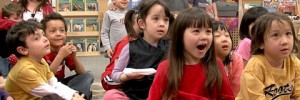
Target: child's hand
(74, 50)
(76, 96)
(65, 50)
(131, 76)
(109, 53)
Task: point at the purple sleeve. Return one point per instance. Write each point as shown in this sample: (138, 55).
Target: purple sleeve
(3, 95)
(121, 64)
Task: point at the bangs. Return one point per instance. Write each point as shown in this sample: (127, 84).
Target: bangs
(199, 22)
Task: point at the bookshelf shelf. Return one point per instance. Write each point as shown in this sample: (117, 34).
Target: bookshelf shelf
(83, 34)
(80, 14)
(84, 16)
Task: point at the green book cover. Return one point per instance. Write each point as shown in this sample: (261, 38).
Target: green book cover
(79, 43)
(92, 45)
(78, 5)
(91, 5)
(69, 24)
(78, 25)
(64, 5)
(92, 24)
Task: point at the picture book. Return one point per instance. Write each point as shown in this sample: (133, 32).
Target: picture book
(91, 5)
(271, 5)
(69, 24)
(78, 5)
(79, 43)
(92, 24)
(92, 44)
(78, 25)
(288, 7)
(64, 5)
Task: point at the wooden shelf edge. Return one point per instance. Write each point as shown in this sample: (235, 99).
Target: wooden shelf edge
(83, 34)
(80, 13)
(88, 54)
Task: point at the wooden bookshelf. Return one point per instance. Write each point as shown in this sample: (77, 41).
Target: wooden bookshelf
(102, 7)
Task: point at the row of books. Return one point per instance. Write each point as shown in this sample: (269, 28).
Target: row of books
(284, 6)
(85, 44)
(82, 24)
(77, 5)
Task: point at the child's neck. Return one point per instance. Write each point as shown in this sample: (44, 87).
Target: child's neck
(121, 9)
(54, 49)
(37, 59)
(151, 40)
(32, 5)
(278, 64)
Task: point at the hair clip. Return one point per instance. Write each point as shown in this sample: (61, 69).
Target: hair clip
(136, 11)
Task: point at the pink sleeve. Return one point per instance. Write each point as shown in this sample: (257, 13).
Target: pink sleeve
(237, 68)
(244, 49)
(159, 82)
(226, 91)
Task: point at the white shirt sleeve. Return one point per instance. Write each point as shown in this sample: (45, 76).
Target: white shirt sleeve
(53, 87)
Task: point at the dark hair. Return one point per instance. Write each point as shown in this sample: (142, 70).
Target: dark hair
(10, 9)
(262, 27)
(17, 35)
(24, 4)
(146, 5)
(220, 25)
(129, 21)
(249, 17)
(53, 16)
(192, 17)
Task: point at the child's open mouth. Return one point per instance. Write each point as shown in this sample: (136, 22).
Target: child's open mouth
(225, 46)
(201, 46)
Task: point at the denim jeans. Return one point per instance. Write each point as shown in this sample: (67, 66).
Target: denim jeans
(4, 66)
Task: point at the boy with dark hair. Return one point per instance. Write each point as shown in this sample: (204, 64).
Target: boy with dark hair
(31, 77)
(63, 55)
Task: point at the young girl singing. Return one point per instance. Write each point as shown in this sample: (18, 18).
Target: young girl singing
(233, 62)
(272, 73)
(192, 71)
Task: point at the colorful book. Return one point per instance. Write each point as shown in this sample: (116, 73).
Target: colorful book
(92, 24)
(92, 45)
(64, 5)
(288, 7)
(79, 43)
(271, 5)
(78, 25)
(78, 5)
(69, 24)
(91, 5)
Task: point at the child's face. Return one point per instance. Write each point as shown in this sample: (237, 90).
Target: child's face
(15, 18)
(37, 44)
(121, 4)
(156, 23)
(223, 43)
(278, 42)
(56, 33)
(196, 42)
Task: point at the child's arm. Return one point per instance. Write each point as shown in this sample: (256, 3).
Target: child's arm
(79, 69)
(297, 78)
(237, 67)
(117, 73)
(63, 52)
(214, 7)
(105, 34)
(2, 82)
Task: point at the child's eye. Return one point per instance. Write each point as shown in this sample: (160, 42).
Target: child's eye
(155, 18)
(166, 19)
(227, 35)
(288, 33)
(62, 30)
(208, 31)
(195, 31)
(275, 35)
(217, 36)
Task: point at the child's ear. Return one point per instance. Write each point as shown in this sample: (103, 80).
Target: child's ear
(261, 46)
(141, 23)
(22, 50)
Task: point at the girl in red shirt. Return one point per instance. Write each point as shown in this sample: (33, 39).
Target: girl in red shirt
(192, 71)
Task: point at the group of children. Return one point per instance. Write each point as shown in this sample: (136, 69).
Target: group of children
(193, 56)
(39, 55)
(197, 60)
